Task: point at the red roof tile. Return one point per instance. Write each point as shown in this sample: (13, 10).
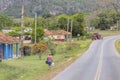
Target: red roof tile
(8, 39)
(56, 32)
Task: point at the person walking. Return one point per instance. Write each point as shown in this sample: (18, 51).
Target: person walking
(49, 61)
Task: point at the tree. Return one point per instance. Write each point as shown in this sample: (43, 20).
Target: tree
(39, 35)
(39, 31)
(48, 22)
(5, 22)
(94, 22)
(51, 46)
(28, 21)
(104, 20)
(62, 21)
(15, 32)
(39, 48)
(51, 23)
(78, 24)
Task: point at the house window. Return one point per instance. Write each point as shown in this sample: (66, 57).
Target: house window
(58, 37)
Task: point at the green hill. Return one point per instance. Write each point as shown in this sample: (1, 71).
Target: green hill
(54, 7)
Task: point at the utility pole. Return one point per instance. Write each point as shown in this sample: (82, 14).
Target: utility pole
(68, 19)
(35, 25)
(71, 29)
(67, 28)
(117, 25)
(22, 26)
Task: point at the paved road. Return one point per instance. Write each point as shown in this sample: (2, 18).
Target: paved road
(100, 62)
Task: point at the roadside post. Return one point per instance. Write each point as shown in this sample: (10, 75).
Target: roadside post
(78, 36)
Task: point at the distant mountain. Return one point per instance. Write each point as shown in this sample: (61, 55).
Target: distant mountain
(4, 4)
(54, 7)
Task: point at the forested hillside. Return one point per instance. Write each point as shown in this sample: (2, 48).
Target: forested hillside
(54, 7)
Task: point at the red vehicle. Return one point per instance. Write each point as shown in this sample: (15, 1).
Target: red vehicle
(96, 36)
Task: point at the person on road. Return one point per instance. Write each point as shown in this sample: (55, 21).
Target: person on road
(49, 61)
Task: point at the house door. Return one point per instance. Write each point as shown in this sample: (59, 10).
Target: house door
(1, 50)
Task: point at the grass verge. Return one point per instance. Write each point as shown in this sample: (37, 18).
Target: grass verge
(105, 33)
(31, 68)
(117, 45)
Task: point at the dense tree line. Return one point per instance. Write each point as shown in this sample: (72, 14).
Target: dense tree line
(5, 22)
(60, 22)
(45, 22)
(105, 20)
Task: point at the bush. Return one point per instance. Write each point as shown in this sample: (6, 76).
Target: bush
(72, 45)
(51, 46)
(27, 50)
(83, 37)
(39, 48)
(52, 51)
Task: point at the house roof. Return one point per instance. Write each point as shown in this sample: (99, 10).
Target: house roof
(8, 39)
(56, 32)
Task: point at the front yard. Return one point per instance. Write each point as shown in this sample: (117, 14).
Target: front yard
(31, 68)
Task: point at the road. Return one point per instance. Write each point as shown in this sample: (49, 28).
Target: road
(100, 62)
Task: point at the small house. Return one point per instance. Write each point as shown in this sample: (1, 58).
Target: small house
(112, 28)
(58, 35)
(7, 43)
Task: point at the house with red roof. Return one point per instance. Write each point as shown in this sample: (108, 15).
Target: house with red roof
(57, 35)
(6, 46)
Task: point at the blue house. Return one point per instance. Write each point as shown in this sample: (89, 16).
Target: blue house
(7, 44)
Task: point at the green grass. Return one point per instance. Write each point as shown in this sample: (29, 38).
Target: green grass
(31, 68)
(106, 33)
(117, 45)
(21, 69)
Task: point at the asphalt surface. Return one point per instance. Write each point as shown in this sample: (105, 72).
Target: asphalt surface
(100, 62)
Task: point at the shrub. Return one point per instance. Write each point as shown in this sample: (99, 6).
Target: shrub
(27, 50)
(51, 46)
(39, 48)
